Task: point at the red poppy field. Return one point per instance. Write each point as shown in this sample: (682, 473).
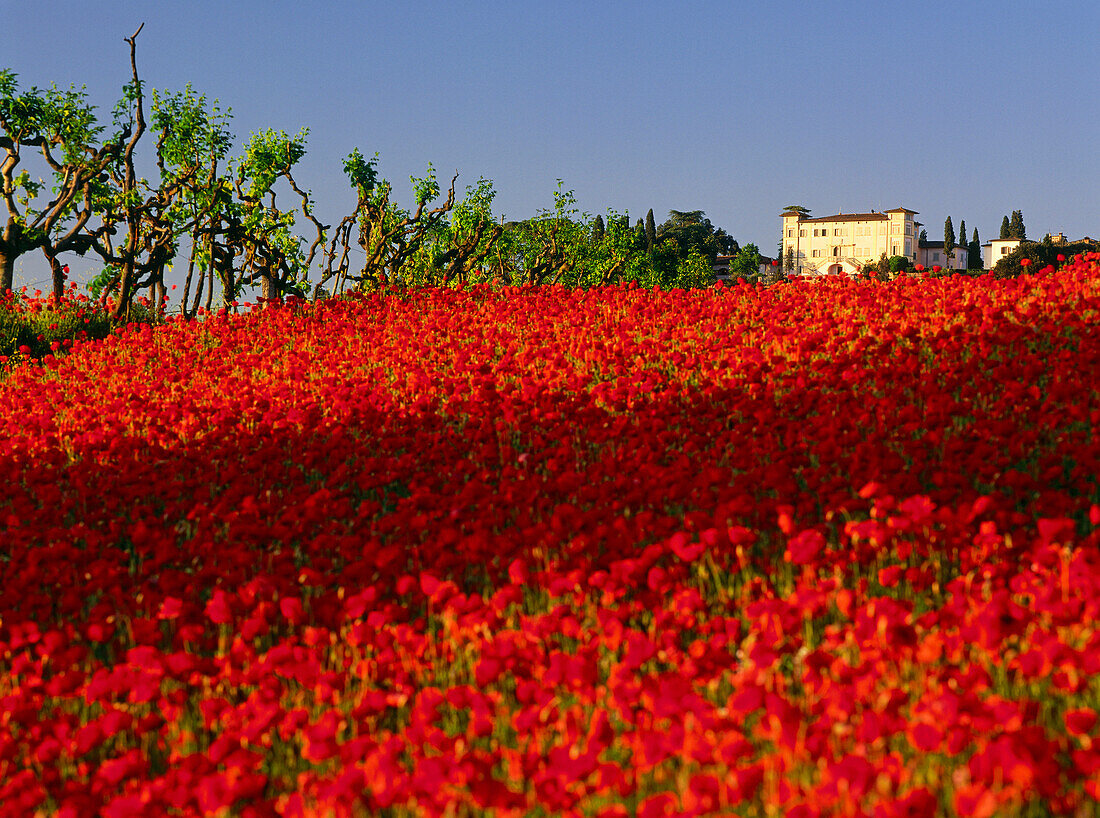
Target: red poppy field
(825, 548)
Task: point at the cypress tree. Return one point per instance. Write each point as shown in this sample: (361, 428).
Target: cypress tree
(1006, 229)
(598, 229)
(948, 241)
(974, 260)
(650, 230)
(1016, 226)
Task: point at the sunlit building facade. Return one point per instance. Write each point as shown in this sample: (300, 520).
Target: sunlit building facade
(844, 243)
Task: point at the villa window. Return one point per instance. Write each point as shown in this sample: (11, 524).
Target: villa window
(817, 254)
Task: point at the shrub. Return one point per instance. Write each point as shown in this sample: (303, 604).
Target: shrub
(1039, 255)
(898, 264)
(33, 327)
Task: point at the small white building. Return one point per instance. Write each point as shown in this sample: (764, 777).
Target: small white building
(993, 251)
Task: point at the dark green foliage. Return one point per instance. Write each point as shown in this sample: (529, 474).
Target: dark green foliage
(598, 229)
(38, 330)
(47, 207)
(361, 173)
(879, 269)
(974, 260)
(1016, 229)
(727, 244)
(1006, 228)
(746, 264)
(948, 242)
(650, 231)
(691, 230)
(1040, 255)
(898, 264)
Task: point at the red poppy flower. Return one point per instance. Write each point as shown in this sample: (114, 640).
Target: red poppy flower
(805, 547)
(1080, 721)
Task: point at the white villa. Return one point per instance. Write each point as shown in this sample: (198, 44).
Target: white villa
(844, 243)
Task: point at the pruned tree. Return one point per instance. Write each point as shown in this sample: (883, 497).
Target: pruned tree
(140, 224)
(548, 248)
(271, 253)
(466, 241)
(62, 127)
(402, 247)
(149, 242)
(192, 147)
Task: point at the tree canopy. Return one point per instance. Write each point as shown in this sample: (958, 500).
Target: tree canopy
(692, 230)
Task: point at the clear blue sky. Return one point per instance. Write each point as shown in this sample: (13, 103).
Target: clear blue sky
(967, 109)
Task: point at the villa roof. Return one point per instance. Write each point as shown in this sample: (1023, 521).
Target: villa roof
(938, 245)
(850, 217)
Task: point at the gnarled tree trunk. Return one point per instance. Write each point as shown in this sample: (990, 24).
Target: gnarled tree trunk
(7, 271)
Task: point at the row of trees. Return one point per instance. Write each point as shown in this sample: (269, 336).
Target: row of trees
(244, 222)
(1013, 228)
(973, 247)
